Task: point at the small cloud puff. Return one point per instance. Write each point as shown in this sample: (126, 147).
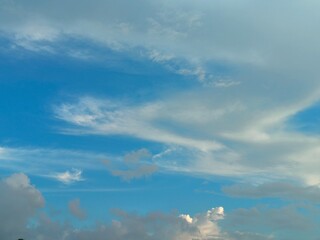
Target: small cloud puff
(134, 166)
(76, 210)
(68, 177)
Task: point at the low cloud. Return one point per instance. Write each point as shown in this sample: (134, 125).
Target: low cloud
(21, 202)
(76, 210)
(134, 165)
(18, 203)
(262, 222)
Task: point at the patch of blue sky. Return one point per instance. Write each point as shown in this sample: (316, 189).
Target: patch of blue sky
(39, 82)
(306, 121)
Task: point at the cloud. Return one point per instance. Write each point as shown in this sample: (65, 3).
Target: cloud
(96, 116)
(134, 165)
(262, 222)
(18, 203)
(31, 160)
(76, 210)
(152, 226)
(68, 177)
(136, 156)
(202, 32)
(251, 236)
(138, 172)
(285, 190)
(21, 202)
(201, 127)
(275, 65)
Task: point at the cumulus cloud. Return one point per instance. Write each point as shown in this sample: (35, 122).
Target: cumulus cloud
(76, 210)
(18, 203)
(21, 201)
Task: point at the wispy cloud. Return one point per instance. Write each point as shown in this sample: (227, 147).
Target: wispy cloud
(68, 177)
(31, 160)
(208, 140)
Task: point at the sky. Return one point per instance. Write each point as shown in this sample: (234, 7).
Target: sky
(159, 120)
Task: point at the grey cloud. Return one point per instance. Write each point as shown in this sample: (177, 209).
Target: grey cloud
(237, 235)
(288, 222)
(18, 203)
(135, 165)
(283, 190)
(156, 226)
(137, 172)
(76, 210)
(136, 156)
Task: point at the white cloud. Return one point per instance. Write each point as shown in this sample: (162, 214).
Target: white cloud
(200, 32)
(230, 131)
(106, 117)
(207, 138)
(31, 160)
(68, 177)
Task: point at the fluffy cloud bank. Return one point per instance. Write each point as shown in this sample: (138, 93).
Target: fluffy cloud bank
(18, 203)
(21, 203)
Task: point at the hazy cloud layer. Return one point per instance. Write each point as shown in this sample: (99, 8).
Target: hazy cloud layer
(21, 203)
(285, 190)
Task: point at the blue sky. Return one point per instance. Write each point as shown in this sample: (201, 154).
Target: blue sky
(172, 120)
